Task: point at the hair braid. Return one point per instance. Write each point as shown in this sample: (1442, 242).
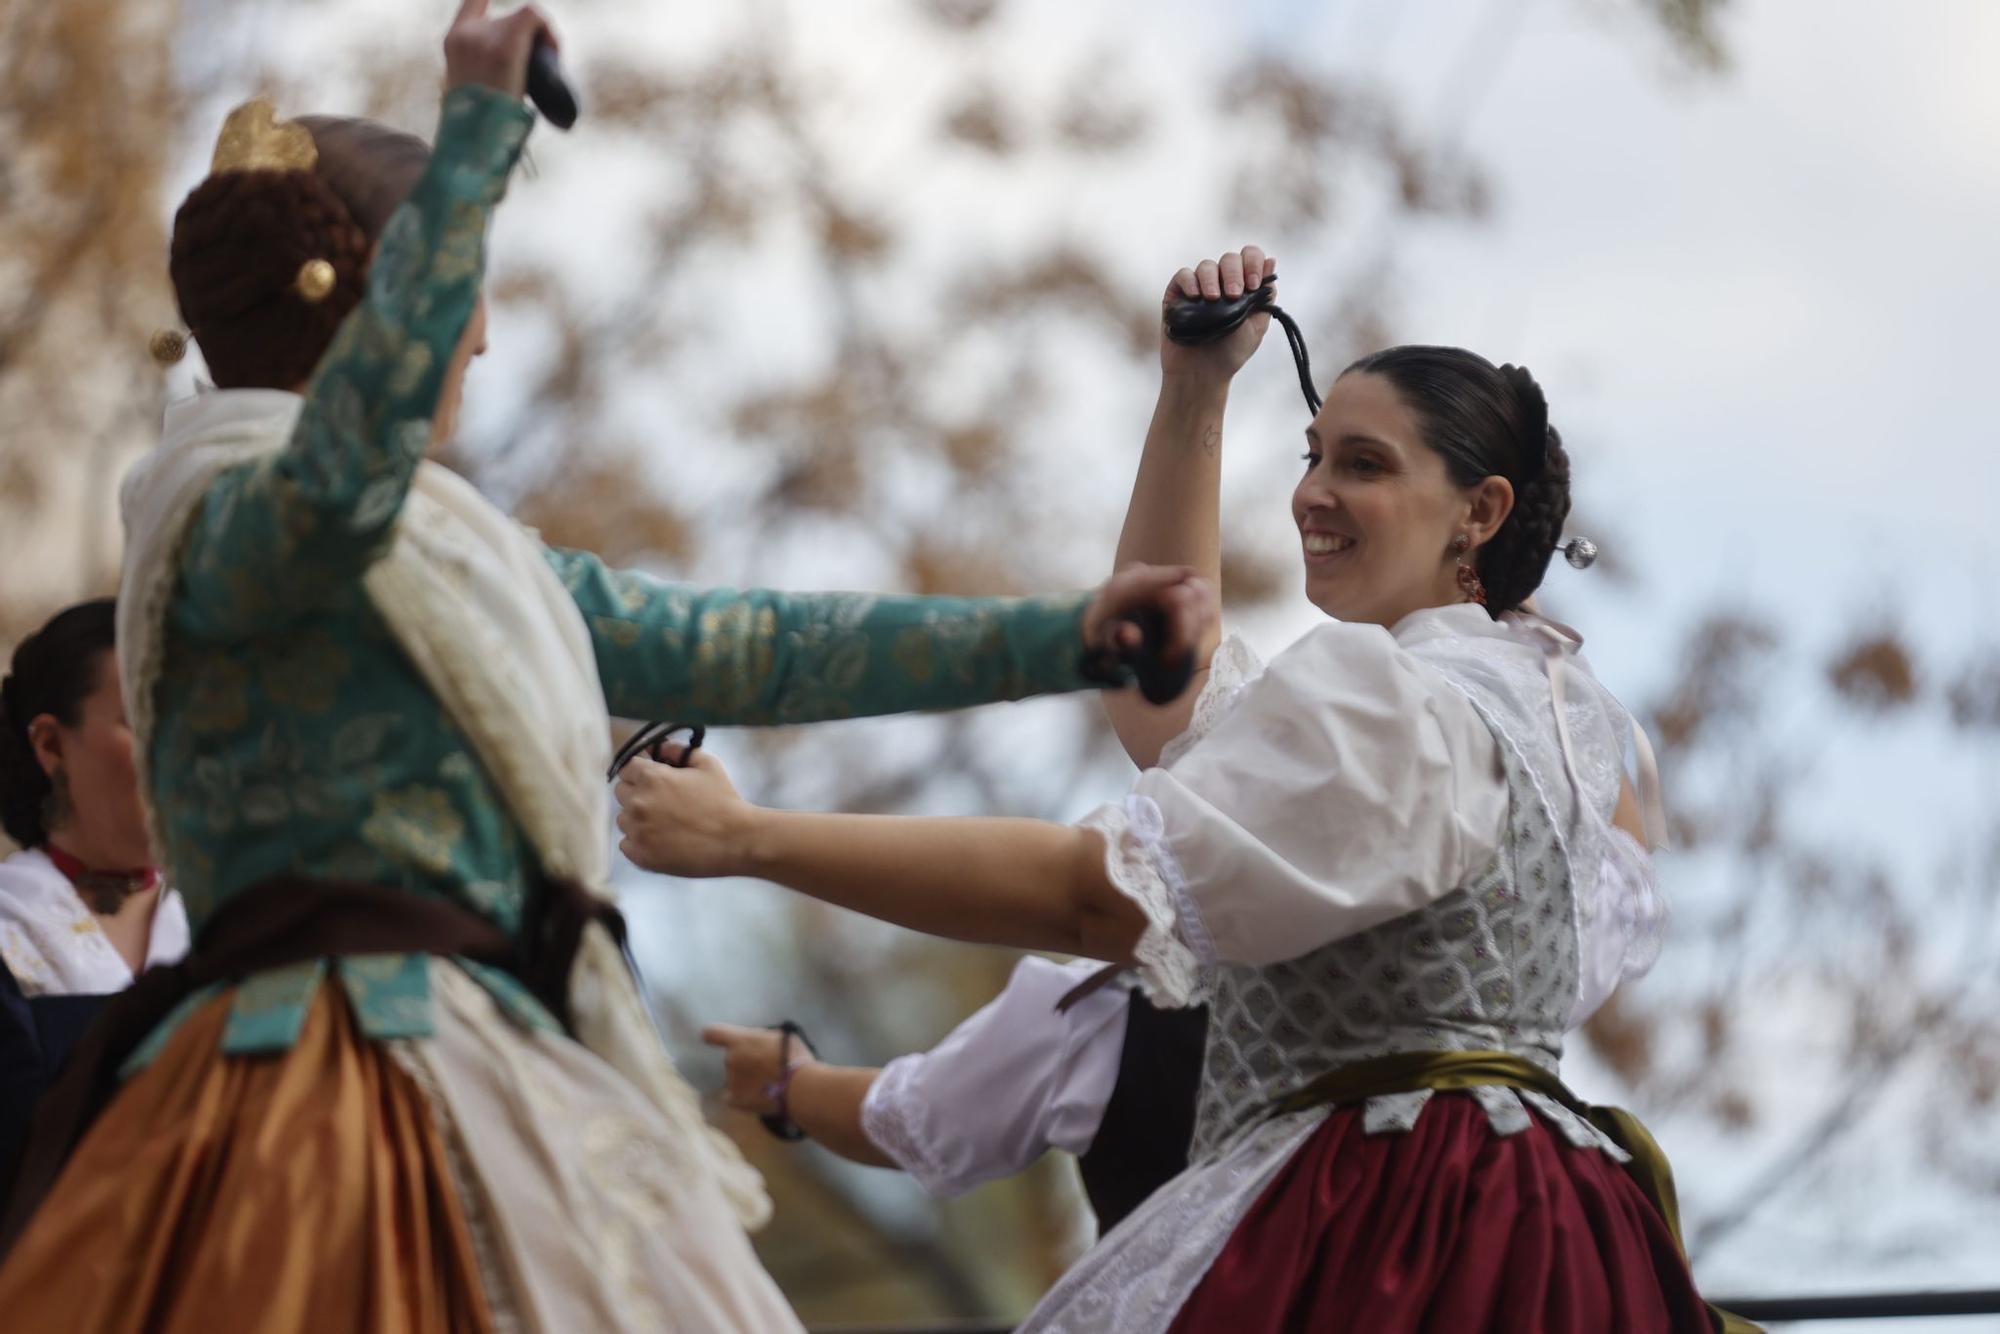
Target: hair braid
(241, 237)
(239, 242)
(1513, 561)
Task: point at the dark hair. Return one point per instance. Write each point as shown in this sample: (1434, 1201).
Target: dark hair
(54, 671)
(240, 239)
(1483, 421)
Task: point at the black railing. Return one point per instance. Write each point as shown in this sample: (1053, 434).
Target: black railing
(1764, 1310)
(1864, 1306)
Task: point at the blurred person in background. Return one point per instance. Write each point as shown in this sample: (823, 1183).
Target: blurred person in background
(1061, 1060)
(82, 910)
(1391, 863)
(370, 713)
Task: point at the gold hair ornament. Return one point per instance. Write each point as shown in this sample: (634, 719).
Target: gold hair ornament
(254, 139)
(167, 346)
(315, 280)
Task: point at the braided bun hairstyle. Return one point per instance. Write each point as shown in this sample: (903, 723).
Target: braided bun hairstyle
(241, 238)
(1485, 420)
(54, 670)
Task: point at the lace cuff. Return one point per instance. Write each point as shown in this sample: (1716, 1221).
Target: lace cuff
(1232, 666)
(887, 1114)
(1175, 947)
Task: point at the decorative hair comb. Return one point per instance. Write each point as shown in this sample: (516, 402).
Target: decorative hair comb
(1580, 552)
(254, 139)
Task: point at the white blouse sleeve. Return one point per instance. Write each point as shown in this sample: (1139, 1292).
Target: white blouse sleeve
(1621, 940)
(1349, 784)
(1232, 666)
(1012, 1082)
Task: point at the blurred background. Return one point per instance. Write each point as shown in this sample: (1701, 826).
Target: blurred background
(864, 295)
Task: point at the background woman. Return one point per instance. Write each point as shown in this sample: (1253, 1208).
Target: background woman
(81, 909)
(1102, 1074)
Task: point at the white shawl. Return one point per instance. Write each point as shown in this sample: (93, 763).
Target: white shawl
(472, 601)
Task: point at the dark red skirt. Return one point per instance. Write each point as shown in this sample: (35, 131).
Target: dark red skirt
(1449, 1229)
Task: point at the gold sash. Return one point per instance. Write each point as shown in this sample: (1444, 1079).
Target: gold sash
(1407, 1072)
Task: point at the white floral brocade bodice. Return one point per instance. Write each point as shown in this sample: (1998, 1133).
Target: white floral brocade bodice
(1488, 967)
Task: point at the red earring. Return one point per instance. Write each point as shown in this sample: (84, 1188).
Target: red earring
(1468, 578)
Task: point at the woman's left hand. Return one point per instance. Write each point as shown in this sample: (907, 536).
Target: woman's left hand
(687, 822)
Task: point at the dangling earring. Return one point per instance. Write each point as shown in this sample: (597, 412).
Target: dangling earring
(1468, 578)
(57, 806)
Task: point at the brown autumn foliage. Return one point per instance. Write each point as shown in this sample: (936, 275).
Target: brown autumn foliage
(1892, 957)
(86, 101)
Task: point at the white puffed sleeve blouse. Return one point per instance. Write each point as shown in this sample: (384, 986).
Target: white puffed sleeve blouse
(1347, 784)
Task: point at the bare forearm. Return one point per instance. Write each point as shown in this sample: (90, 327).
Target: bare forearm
(1022, 883)
(825, 1101)
(1174, 514)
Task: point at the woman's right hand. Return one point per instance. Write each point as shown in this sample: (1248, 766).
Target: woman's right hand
(1214, 279)
(492, 53)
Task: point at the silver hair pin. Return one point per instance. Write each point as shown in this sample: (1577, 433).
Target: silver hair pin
(1580, 552)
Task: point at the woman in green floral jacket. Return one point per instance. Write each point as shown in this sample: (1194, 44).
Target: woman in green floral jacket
(405, 1081)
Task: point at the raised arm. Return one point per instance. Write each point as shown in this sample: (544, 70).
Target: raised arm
(293, 528)
(717, 656)
(1174, 515)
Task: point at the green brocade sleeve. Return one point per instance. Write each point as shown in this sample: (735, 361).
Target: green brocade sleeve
(283, 534)
(721, 657)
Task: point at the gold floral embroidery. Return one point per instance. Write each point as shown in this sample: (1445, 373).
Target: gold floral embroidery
(219, 694)
(458, 258)
(635, 594)
(735, 657)
(622, 634)
(308, 675)
(419, 825)
(247, 594)
(916, 654)
(410, 370)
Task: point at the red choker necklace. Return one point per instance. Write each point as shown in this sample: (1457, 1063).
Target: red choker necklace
(103, 890)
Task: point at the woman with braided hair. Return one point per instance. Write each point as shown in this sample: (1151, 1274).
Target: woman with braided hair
(1392, 863)
(405, 1082)
(82, 909)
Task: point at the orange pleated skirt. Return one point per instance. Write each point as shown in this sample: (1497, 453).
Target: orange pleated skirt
(305, 1191)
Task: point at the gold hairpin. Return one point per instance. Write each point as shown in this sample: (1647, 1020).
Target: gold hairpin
(315, 280)
(254, 139)
(167, 346)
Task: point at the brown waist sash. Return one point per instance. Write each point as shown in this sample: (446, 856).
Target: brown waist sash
(284, 921)
(1445, 1071)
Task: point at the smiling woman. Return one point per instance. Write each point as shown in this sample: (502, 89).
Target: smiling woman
(1376, 861)
(1482, 463)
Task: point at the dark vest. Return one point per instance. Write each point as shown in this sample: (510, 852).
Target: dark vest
(36, 1034)
(1142, 1143)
